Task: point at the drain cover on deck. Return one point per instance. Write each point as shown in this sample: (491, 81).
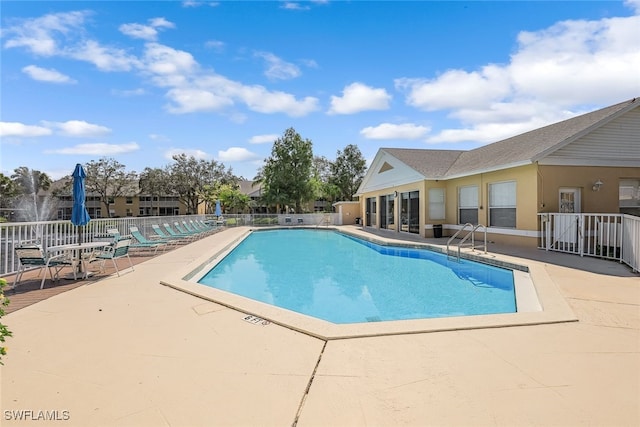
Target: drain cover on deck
(256, 320)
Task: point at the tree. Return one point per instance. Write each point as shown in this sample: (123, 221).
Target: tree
(232, 198)
(287, 174)
(324, 189)
(108, 179)
(30, 181)
(347, 172)
(189, 179)
(8, 190)
(154, 182)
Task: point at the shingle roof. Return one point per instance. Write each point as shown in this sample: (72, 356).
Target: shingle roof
(520, 149)
(433, 164)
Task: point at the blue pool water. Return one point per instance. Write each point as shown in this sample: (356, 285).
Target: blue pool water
(341, 279)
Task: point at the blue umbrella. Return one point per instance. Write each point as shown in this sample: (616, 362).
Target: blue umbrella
(79, 214)
(218, 210)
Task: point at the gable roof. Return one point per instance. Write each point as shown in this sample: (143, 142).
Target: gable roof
(531, 146)
(518, 150)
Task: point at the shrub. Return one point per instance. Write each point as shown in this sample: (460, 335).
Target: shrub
(4, 332)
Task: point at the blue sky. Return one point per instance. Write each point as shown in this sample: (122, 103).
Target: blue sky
(138, 81)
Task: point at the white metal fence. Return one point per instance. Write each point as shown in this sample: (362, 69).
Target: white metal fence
(53, 233)
(612, 236)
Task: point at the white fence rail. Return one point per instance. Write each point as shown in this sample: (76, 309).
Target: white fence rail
(612, 236)
(53, 233)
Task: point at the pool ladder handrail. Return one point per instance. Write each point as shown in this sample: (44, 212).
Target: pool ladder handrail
(326, 219)
(466, 237)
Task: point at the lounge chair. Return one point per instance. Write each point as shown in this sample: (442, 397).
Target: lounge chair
(200, 226)
(144, 243)
(191, 229)
(33, 257)
(174, 233)
(165, 236)
(183, 230)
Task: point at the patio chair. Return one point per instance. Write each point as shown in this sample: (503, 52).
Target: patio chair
(119, 249)
(33, 257)
(183, 230)
(173, 233)
(191, 229)
(144, 243)
(162, 235)
(199, 226)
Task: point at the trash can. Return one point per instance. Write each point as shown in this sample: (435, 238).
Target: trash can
(358, 219)
(437, 230)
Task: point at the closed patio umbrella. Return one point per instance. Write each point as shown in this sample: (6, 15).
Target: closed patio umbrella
(79, 214)
(218, 210)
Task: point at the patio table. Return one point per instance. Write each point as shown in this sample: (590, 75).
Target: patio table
(76, 250)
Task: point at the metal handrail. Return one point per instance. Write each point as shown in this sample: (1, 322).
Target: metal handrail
(466, 237)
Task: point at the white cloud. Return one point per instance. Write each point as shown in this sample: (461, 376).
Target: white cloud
(128, 93)
(358, 97)
(139, 31)
(103, 57)
(393, 131)
(189, 88)
(98, 149)
(633, 5)
(198, 154)
(158, 137)
(236, 154)
(161, 61)
(293, 6)
(146, 32)
(457, 88)
(216, 45)
(22, 130)
(552, 75)
(41, 35)
(263, 139)
(78, 128)
(213, 92)
(46, 75)
(277, 68)
(191, 3)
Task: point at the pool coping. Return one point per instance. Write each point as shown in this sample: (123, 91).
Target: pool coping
(538, 299)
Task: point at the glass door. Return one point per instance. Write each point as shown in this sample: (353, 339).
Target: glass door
(569, 200)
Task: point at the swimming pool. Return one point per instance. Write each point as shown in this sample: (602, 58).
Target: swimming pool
(342, 279)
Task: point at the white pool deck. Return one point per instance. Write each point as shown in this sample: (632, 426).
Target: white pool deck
(129, 351)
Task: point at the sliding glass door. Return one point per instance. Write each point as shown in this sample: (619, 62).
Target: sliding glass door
(410, 212)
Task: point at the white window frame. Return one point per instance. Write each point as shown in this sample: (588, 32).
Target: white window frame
(629, 193)
(503, 196)
(468, 203)
(437, 203)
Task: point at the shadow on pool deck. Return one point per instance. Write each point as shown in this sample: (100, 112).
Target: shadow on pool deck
(28, 292)
(586, 263)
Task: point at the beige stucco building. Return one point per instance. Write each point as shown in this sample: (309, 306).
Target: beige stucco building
(587, 164)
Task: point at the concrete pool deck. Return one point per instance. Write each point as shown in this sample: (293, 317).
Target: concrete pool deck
(127, 351)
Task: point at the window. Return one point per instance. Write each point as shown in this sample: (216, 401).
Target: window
(502, 204)
(436, 203)
(468, 204)
(129, 200)
(629, 193)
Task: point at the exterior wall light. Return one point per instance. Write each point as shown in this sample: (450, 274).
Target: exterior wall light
(597, 185)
